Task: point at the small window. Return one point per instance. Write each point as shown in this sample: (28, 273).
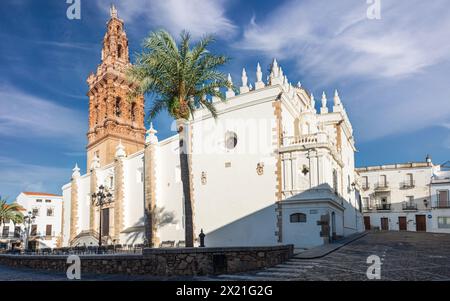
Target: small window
(35, 212)
(117, 110)
(48, 230)
(49, 212)
(39, 201)
(298, 218)
(444, 222)
(48, 201)
(133, 112)
(5, 233)
(119, 51)
(231, 140)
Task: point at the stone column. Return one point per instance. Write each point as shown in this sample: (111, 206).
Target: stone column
(119, 191)
(151, 143)
(74, 204)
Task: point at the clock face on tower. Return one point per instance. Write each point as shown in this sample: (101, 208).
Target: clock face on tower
(113, 116)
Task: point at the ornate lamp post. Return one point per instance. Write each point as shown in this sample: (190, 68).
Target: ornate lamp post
(28, 220)
(100, 199)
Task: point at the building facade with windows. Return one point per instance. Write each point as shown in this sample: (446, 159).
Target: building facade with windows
(397, 196)
(45, 230)
(440, 199)
(271, 169)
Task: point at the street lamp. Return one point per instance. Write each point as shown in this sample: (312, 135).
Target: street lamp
(100, 199)
(28, 220)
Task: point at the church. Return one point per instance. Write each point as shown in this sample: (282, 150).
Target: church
(271, 169)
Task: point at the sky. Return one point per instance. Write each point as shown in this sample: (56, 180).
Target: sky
(392, 72)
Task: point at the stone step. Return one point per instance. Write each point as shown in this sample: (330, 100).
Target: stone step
(278, 274)
(245, 277)
(285, 269)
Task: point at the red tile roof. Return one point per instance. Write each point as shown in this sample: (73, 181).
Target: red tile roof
(40, 194)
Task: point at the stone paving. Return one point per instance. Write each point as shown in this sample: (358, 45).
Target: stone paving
(404, 255)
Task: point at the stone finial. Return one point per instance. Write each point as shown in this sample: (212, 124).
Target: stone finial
(275, 68)
(313, 103)
(151, 135)
(337, 99)
(230, 92)
(120, 150)
(281, 73)
(324, 109)
(259, 84)
(337, 102)
(95, 163)
(76, 171)
(244, 87)
(113, 11)
(299, 84)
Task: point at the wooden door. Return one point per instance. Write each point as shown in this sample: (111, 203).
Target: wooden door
(367, 222)
(384, 224)
(402, 225)
(421, 223)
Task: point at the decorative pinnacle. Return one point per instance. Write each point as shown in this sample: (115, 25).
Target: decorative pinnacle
(113, 11)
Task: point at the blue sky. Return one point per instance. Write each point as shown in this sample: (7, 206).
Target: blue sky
(392, 73)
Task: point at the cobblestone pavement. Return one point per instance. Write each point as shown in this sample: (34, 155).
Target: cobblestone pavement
(404, 255)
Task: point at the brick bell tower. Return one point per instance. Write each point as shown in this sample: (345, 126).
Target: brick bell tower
(113, 116)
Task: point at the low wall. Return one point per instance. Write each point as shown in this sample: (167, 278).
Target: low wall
(164, 262)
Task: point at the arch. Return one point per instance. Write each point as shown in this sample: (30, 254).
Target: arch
(117, 105)
(298, 218)
(133, 111)
(119, 51)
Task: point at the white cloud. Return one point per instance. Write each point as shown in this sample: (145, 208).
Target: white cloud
(335, 39)
(27, 116)
(197, 16)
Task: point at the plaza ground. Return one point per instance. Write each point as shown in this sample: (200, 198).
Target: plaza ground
(404, 255)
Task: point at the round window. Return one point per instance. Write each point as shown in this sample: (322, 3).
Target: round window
(231, 140)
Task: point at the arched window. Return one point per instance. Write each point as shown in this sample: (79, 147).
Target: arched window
(133, 112)
(298, 218)
(117, 107)
(119, 51)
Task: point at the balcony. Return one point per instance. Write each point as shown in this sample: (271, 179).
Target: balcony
(384, 207)
(407, 185)
(381, 186)
(409, 207)
(367, 209)
(441, 205)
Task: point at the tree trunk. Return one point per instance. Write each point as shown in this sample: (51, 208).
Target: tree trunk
(185, 167)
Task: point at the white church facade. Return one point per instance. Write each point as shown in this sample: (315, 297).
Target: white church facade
(271, 169)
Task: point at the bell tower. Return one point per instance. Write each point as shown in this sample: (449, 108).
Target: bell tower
(113, 116)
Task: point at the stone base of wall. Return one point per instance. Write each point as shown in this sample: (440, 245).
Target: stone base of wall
(164, 262)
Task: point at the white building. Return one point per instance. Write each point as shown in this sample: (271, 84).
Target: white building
(397, 196)
(440, 187)
(270, 170)
(45, 231)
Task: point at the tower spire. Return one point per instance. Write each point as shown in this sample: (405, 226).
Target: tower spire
(113, 11)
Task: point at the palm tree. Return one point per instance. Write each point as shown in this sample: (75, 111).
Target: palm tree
(180, 79)
(10, 212)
